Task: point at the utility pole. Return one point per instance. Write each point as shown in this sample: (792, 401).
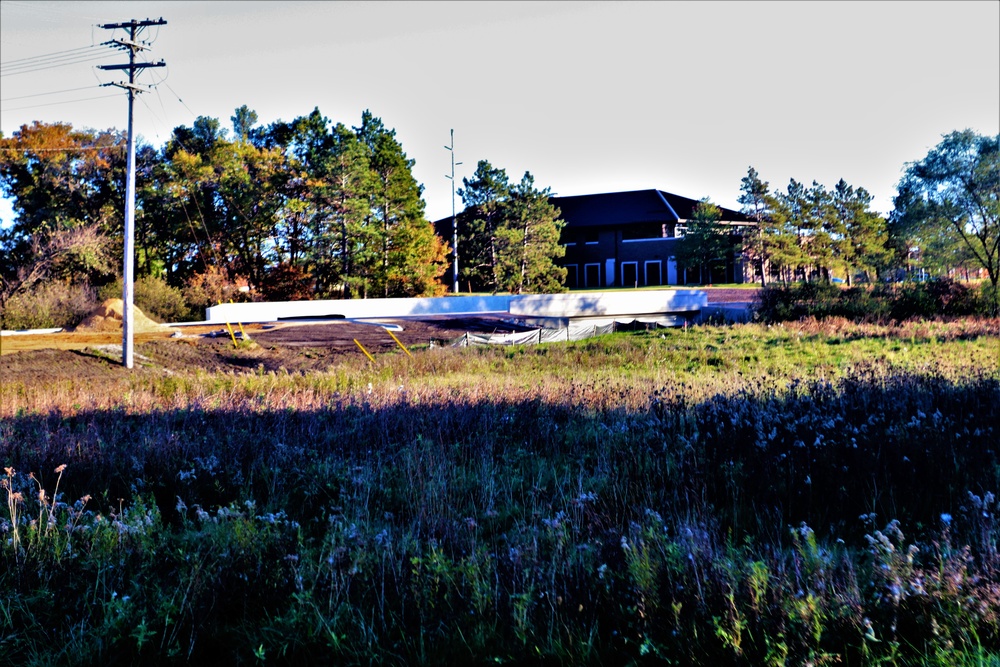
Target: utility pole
(132, 46)
(454, 220)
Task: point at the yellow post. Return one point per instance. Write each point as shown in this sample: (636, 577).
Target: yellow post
(231, 334)
(370, 357)
(240, 325)
(399, 344)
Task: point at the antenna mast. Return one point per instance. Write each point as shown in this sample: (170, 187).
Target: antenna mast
(454, 220)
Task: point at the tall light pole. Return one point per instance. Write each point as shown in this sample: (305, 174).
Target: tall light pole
(133, 27)
(454, 220)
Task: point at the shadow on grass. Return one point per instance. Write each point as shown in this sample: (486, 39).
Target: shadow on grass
(513, 531)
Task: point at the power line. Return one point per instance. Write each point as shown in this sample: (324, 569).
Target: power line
(68, 149)
(64, 64)
(46, 56)
(48, 64)
(36, 106)
(55, 92)
(179, 98)
(50, 61)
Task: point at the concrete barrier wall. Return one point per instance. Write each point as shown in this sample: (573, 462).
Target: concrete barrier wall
(586, 304)
(592, 304)
(357, 308)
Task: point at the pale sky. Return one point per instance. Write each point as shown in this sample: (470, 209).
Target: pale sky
(587, 96)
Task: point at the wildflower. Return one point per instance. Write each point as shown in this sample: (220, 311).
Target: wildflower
(870, 631)
(61, 468)
(946, 518)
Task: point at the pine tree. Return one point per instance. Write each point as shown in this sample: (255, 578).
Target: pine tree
(483, 196)
(405, 258)
(529, 241)
(706, 242)
(764, 242)
(863, 246)
(509, 234)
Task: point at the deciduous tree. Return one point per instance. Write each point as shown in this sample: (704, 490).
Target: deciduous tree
(958, 185)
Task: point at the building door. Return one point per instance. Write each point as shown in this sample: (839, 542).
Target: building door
(572, 277)
(654, 272)
(630, 274)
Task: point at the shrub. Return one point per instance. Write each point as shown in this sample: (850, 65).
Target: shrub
(212, 287)
(936, 298)
(49, 304)
(287, 282)
(154, 297)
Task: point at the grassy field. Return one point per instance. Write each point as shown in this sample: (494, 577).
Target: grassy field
(813, 493)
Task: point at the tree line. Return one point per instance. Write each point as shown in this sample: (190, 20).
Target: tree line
(945, 220)
(294, 208)
(291, 210)
(315, 209)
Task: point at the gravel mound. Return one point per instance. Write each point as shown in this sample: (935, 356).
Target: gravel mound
(108, 317)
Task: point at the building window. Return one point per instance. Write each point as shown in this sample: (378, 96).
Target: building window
(591, 275)
(642, 232)
(680, 230)
(591, 237)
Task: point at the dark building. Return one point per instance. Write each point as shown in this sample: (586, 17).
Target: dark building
(627, 239)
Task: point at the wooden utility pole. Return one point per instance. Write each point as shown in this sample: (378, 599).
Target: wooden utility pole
(132, 46)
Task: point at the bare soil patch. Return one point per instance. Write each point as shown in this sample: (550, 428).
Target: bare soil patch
(296, 347)
(93, 350)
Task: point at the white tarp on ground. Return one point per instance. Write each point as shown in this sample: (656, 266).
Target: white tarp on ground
(575, 331)
(29, 332)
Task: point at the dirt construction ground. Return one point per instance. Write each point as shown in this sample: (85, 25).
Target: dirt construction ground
(40, 358)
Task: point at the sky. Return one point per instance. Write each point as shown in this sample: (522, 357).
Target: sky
(588, 96)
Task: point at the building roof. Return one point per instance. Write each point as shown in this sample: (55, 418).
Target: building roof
(637, 206)
(622, 208)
